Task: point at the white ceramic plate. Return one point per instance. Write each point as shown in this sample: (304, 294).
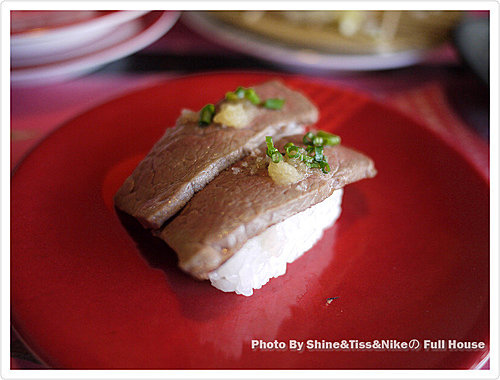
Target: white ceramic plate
(48, 32)
(295, 58)
(126, 39)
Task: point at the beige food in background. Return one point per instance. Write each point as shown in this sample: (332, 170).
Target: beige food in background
(355, 32)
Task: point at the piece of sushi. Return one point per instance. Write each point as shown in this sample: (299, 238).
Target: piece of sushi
(203, 144)
(258, 215)
(266, 255)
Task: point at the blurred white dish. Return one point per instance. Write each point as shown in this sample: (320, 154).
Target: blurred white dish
(26, 22)
(301, 59)
(122, 41)
(43, 33)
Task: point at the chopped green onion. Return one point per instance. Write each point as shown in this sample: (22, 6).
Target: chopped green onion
(272, 152)
(317, 141)
(276, 157)
(292, 151)
(251, 95)
(329, 138)
(206, 114)
(274, 103)
(324, 166)
(312, 155)
(315, 144)
(269, 143)
(231, 96)
(240, 92)
(307, 159)
(318, 153)
(307, 139)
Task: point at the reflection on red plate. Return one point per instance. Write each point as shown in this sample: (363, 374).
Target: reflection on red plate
(408, 259)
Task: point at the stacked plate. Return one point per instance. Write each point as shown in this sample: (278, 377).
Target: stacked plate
(55, 45)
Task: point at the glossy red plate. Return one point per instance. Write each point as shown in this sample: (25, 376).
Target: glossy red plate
(408, 259)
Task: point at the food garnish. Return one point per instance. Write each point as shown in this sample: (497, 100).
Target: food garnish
(251, 95)
(284, 174)
(208, 114)
(273, 103)
(272, 151)
(312, 155)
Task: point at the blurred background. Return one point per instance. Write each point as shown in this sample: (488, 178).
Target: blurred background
(48, 46)
(63, 62)
(431, 65)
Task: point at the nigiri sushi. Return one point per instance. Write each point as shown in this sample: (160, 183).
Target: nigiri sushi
(258, 215)
(235, 207)
(204, 143)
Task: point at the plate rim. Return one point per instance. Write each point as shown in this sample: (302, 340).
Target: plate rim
(72, 67)
(108, 20)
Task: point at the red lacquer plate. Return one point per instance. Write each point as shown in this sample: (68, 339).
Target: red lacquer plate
(408, 258)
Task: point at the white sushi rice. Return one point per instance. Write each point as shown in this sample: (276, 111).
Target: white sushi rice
(265, 256)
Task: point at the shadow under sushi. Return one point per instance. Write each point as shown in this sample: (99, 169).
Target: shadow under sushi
(195, 297)
(231, 321)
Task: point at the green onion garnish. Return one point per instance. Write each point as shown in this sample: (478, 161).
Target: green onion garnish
(269, 143)
(274, 103)
(313, 164)
(272, 152)
(240, 92)
(307, 139)
(307, 159)
(292, 151)
(318, 153)
(231, 96)
(328, 138)
(251, 95)
(317, 141)
(324, 166)
(312, 155)
(276, 157)
(206, 114)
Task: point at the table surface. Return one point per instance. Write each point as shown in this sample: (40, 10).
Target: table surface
(440, 92)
